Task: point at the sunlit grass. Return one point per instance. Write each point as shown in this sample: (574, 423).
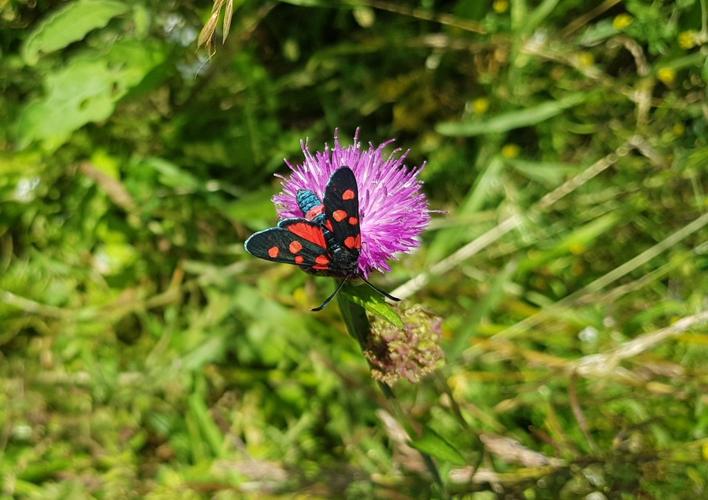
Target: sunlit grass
(143, 352)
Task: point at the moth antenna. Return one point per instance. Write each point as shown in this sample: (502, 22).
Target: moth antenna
(387, 295)
(329, 299)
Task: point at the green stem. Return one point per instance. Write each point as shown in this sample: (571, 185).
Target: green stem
(359, 328)
(355, 318)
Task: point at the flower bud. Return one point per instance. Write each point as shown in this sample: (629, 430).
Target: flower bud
(408, 353)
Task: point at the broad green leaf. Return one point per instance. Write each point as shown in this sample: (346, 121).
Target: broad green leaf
(85, 90)
(438, 447)
(372, 302)
(510, 120)
(78, 94)
(69, 25)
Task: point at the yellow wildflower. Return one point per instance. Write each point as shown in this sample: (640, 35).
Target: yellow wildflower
(480, 105)
(687, 39)
(500, 6)
(510, 151)
(666, 75)
(586, 59)
(622, 21)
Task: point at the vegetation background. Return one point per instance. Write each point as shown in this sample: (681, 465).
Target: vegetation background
(143, 353)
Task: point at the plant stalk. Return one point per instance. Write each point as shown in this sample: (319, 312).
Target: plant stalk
(359, 328)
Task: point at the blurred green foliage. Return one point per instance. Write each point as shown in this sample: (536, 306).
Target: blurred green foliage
(142, 353)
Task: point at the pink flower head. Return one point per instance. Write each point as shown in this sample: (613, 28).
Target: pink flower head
(393, 210)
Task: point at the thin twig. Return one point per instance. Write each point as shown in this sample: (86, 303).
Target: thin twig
(621, 290)
(512, 451)
(113, 188)
(422, 15)
(578, 411)
(604, 363)
(587, 17)
(649, 152)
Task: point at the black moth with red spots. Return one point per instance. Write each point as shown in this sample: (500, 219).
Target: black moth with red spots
(327, 242)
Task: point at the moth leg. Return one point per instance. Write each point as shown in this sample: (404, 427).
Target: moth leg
(329, 299)
(387, 295)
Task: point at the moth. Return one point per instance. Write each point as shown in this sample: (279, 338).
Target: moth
(327, 241)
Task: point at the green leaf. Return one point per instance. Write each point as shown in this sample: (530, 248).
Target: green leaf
(680, 63)
(548, 173)
(171, 175)
(438, 447)
(255, 209)
(69, 25)
(695, 159)
(510, 120)
(372, 302)
(518, 14)
(85, 90)
(207, 427)
(598, 32)
(538, 15)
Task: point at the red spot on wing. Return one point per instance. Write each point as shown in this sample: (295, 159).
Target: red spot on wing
(321, 263)
(273, 252)
(348, 194)
(299, 259)
(328, 223)
(314, 212)
(309, 232)
(353, 241)
(353, 221)
(295, 246)
(339, 215)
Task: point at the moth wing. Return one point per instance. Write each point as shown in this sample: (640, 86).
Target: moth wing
(341, 201)
(294, 241)
(305, 229)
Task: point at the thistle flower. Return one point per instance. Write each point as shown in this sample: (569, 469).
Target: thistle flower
(408, 353)
(393, 210)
